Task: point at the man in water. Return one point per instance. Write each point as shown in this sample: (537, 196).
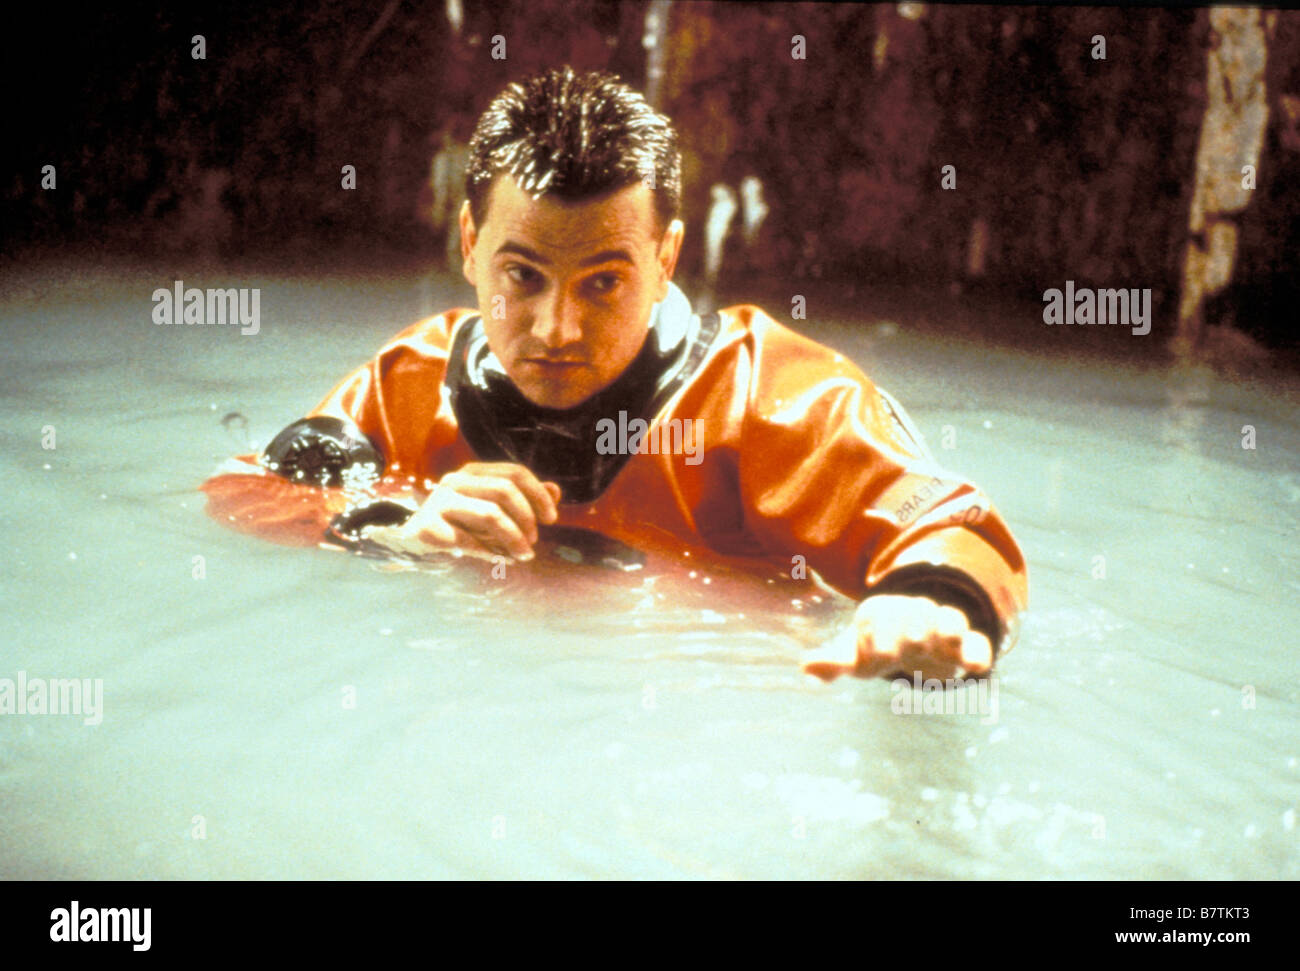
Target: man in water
(584, 393)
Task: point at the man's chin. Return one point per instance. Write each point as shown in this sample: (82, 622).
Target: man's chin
(546, 396)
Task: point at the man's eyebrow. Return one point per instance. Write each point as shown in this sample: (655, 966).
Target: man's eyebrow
(608, 256)
(604, 256)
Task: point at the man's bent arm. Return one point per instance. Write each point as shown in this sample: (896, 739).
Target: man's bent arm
(346, 451)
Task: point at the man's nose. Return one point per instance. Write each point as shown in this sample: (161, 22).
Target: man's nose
(557, 323)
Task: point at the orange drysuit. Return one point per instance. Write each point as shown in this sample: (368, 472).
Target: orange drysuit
(797, 462)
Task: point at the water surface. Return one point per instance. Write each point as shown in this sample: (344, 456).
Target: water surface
(314, 714)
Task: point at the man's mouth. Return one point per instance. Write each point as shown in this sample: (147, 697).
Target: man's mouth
(553, 366)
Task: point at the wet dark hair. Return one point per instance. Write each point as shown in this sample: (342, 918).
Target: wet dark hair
(574, 136)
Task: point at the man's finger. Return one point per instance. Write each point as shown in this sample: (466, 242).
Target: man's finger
(502, 491)
(929, 665)
(837, 656)
(543, 497)
(487, 523)
(976, 653)
(880, 647)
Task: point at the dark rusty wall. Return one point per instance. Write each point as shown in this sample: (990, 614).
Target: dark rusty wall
(1076, 166)
(1070, 167)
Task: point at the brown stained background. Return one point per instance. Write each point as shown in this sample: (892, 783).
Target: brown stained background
(1067, 167)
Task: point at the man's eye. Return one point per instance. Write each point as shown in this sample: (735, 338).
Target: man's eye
(604, 283)
(524, 275)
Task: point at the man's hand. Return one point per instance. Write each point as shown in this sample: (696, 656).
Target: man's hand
(484, 509)
(892, 635)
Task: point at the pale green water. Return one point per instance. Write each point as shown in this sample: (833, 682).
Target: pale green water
(618, 726)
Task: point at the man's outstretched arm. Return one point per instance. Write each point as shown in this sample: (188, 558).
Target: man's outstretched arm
(833, 470)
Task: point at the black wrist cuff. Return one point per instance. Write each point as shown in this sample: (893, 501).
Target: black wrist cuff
(345, 528)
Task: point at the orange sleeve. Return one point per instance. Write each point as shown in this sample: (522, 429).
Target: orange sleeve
(832, 468)
(247, 498)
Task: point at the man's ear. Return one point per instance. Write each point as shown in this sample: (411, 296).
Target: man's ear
(669, 249)
(468, 237)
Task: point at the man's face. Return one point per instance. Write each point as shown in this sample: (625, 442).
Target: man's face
(566, 288)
